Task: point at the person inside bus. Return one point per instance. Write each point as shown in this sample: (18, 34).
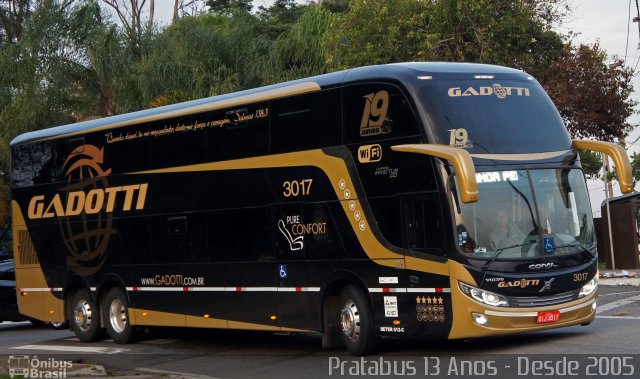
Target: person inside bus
(504, 229)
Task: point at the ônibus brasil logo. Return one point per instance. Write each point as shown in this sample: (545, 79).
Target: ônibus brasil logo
(84, 207)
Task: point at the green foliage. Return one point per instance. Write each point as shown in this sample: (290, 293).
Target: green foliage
(229, 7)
(335, 6)
(279, 17)
(506, 32)
(301, 51)
(592, 95)
(591, 162)
(635, 169)
(12, 18)
(378, 31)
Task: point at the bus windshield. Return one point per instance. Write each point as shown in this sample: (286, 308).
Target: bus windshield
(494, 116)
(524, 214)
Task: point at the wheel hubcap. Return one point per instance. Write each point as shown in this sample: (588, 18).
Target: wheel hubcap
(350, 320)
(82, 315)
(117, 316)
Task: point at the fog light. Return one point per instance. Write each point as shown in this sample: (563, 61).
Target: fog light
(593, 306)
(480, 319)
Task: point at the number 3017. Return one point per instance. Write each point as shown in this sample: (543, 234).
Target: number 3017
(296, 187)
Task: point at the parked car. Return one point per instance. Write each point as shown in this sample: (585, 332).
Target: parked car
(8, 300)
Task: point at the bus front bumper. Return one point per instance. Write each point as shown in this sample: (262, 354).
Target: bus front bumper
(472, 319)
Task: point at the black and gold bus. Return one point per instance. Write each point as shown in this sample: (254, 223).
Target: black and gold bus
(421, 200)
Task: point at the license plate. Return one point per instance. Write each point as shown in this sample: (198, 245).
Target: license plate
(545, 317)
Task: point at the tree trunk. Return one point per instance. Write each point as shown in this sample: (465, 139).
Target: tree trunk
(175, 10)
(151, 10)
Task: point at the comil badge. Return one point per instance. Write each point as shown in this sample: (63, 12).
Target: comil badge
(369, 153)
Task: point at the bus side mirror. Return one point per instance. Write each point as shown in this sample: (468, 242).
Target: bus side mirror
(461, 161)
(619, 156)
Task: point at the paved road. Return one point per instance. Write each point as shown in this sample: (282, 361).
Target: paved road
(224, 354)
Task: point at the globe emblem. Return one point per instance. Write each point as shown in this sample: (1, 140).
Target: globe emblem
(500, 91)
(85, 238)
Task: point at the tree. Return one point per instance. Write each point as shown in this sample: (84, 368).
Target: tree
(279, 17)
(515, 33)
(377, 31)
(130, 16)
(300, 51)
(13, 14)
(593, 96)
(591, 163)
(229, 7)
(635, 168)
(334, 6)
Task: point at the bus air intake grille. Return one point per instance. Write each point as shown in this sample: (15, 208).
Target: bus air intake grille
(541, 301)
(27, 251)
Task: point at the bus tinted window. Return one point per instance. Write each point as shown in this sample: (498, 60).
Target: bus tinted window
(241, 235)
(376, 111)
(237, 132)
(503, 116)
(306, 122)
(32, 164)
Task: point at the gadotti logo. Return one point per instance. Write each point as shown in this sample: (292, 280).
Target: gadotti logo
(84, 208)
(495, 89)
(82, 169)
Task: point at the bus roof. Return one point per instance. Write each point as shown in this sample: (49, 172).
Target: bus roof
(405, 73)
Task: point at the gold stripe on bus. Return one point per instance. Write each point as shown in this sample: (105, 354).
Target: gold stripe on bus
(520, 157)
(272, 94)
(336, 169)
(157, 318)
(41, 305)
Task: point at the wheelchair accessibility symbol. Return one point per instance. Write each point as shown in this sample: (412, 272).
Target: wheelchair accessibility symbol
(282, 269)
(549, 245)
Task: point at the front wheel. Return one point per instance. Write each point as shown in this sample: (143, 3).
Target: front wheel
(85, 317)
(356, 322)
(116, 308)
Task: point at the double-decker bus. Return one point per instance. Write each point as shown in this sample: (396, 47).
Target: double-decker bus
(431, 200)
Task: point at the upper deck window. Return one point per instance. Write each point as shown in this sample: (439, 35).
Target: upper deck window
(494, 116)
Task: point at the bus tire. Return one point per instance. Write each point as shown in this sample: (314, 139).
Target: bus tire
(116, 316)
(356, 322)
(85, 317)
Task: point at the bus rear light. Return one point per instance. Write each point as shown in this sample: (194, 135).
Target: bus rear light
(480, 319)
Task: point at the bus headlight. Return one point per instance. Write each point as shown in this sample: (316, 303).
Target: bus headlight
(483, 296)
(589, 288)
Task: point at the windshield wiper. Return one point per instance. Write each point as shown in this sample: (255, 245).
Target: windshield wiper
(499, 251)
(577, 244)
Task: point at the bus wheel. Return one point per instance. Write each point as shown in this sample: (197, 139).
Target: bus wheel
(356, 322)
(85, 317)
(116, 315)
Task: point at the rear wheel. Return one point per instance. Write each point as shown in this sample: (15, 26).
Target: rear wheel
(85, 317)
(356, 322)
(116, 309)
